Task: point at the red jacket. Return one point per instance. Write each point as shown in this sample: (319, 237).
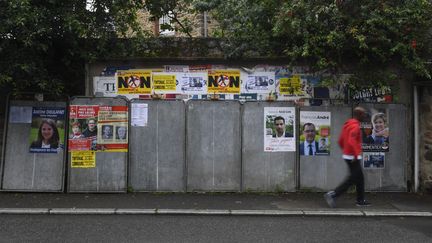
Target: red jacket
(350, 140)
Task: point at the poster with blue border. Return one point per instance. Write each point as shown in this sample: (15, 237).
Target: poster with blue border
(47, 129)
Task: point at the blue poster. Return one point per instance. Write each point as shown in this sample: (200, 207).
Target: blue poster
(47, 129)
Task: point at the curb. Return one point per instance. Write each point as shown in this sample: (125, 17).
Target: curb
(123, 211)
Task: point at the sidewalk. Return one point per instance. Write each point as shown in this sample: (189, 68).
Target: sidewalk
(305, 204)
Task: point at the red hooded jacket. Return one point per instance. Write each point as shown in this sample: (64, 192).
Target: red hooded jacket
(350, 140)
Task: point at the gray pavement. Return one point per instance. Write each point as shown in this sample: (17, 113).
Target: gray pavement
(307, 204)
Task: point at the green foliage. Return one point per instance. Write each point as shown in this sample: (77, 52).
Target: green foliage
(366, 38)
(368, 35)
(45, 44)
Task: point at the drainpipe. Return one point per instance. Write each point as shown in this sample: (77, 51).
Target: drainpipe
(205, 25)
(416, 140)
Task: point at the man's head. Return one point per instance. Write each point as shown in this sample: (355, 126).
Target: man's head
(91, 124)
(107, 130)
(359, 113)
(121, 132)
(279, 123)
(309, 132)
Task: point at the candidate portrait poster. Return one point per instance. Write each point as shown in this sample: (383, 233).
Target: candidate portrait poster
(113, 129)
(279, 129)
(375, 131)
(82, 127)
(47, 129)
(314, 133)
(98, 128)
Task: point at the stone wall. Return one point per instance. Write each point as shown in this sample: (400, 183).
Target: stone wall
(425, 138)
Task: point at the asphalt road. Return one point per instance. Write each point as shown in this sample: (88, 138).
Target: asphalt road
(157, 228)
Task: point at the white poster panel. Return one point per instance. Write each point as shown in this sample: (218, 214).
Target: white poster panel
(139, 114)
(105, 85)
(192, 83)
(315, 133)
(258, 82)
(279, 129)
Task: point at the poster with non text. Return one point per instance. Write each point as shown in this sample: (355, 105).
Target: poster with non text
(279, 129)
(375, 131)
(134, 81)
(47, 129)
(224, 81)
(315, 133)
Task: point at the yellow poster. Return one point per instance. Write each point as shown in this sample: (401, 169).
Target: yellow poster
(163, 83)
(83, 159)
(224, 82)
(134, 81)
(290, 86)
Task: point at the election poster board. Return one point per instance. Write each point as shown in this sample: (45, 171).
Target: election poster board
(98, 128)
(315, 133)
(224, 81)
(375, 131)
(279, 129)
(47, 129)
(373, 160)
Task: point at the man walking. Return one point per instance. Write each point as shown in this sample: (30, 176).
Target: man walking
(350, 141)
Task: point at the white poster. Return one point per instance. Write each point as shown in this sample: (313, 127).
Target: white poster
(20, 114)
(258, 82)
(192, 83)
(139, 114)
(279, 129)
(105, 85)
(315, 133)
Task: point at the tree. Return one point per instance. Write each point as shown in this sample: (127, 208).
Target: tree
(45, 44)
(367, 38)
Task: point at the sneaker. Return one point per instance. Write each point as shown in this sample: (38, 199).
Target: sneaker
(363, 203)
(329, 197)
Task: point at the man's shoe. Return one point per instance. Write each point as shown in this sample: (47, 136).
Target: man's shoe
(363, 203)
(329, 197)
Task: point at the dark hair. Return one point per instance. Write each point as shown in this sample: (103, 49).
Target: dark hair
(55, 138)
(359, 112)
(279, 118)
(308, 124)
